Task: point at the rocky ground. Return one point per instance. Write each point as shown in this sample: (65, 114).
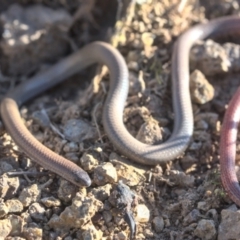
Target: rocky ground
(182, 199)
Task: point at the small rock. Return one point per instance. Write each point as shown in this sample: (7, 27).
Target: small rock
(147, 38)
(5, 228)
(29, 195)
(201, 125)
(232, 208)
(229, 226)
(143, 213)
(232, 51)
(150, 132)
(71, 147)
(41, 118)
(136, 85)
(88, 162)
(210, 58)
(122, 197)
(195, 146)
(105, 173)
(66, 191)
(158, 224)
(33, 233)
(191, 217)
(51, 202)
(17, 225)
(79, 213)
(14, 205)
(5, 167)
(121, 236)
(188, 161)
(213, 214)
(133, 66)
(77, 130)
(181, 179)
(8, 186)
(203, 206)
(205, 230)
(201, 90)
(68, 238)
(102, 193)
(37, 212)
(26, 217)
(130, 173)
(210, 117)
(3, 209)
(91, 233)
(107, 216)
(201, 136)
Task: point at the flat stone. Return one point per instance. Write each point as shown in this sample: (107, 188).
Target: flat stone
(229, 225)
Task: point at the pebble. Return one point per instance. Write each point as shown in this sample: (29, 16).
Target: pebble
(201, 125)
(133, 66)
(181, 179)
(105, 173)
(14, 206)
(37, 212)
(150, 132)
(121, 236)
(79, 213)
(5, 228)
(102, 193)
(68, 238)
(70, 147)
(210, 117)
(5, 167)
(8, 186)
(229, 225)
(91, 233)
(130, 173)
(143, 213)
(122, 197)
(107, 216)
(195, 146)
(201, 90)
(3, 209)
(88, 162)
(203, 206)
(158, 224)
(213, 214)
(188, 161)
(26, 217)
(232, 50)
(33, 233)
(191, 217)
(147, 38)
(210, 58)
(66, 191)
(42, 119)
(51, 202)
(205, 229)
(77, 130)
(136, 86)
(29, 195)
(17, 225)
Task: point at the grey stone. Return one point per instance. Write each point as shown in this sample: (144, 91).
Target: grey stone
(229, 225)
(205, 229)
